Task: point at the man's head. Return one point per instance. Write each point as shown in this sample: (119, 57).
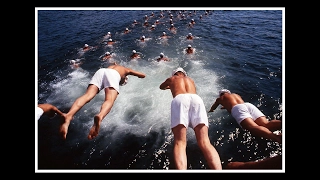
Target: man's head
(222, 91)
(179, 69)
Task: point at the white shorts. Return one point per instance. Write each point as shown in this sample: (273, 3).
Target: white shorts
(189, 110)
(106, 77)
(245, 110)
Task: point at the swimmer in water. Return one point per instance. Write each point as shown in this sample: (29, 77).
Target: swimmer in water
(135, 55)
(107, 56)
(189, 36)
(162, 58)
(75, 64)
(189, 49)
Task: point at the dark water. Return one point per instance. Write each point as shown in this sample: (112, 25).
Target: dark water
(240, 50)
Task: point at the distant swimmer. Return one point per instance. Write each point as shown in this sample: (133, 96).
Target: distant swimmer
(75, 64)
(135, 22)
(146, 23)
(110, 42)
(189, 36)
(135, 55)
(142, 39)
(157, 22)
(153, 27)
(105, 79)
(173, 29)
(86, 47)
(107, 36)
(106, 56)
(164, 35)
(162, 58)
(126, 31)
(189, 49)
(193, 22)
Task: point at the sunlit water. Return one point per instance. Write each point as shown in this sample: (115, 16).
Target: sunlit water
(238, 50)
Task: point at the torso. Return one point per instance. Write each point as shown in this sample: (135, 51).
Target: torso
(230, 100)
(182, 85)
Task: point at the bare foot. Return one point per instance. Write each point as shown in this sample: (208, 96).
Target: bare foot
(94, 131)
(64, 125)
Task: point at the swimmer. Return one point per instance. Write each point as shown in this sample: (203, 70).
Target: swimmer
(192, 22)
(189, 49)
(188, 110)
(107, 56)
(162, 57)
(85, 47)
(107, 80)
(108, 35)
(153, 27)
(142, 39)
(164, 35)
(189, 36)
(75, 64)
(110, 42)
(248, 116)
(145, 23)
(173, 29)
(157, 22)
(126, 31)
(135, 55)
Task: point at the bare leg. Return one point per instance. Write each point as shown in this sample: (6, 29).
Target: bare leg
(179, 148)
(77, 105)
(110, 96)
(272, 125)
(210, 153)
(260, 131)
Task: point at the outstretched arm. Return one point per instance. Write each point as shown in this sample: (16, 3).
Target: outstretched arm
(137, 73)
(214, 106)
(50, 110)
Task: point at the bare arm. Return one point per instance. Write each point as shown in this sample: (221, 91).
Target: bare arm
(214, 105)
(50, 110)
(165, 85)
(136, 73)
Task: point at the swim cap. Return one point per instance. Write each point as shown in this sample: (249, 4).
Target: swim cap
(152, 25)
(110, 40)
(134, 51)
(72, 61)
(86, 45)
(161, 54)
(109, 32)
(179, 69)
(164, 32)
(224, 91)
(190, 34)
(189, 46)
(143, 37)
(127, 29)
(107, 53)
